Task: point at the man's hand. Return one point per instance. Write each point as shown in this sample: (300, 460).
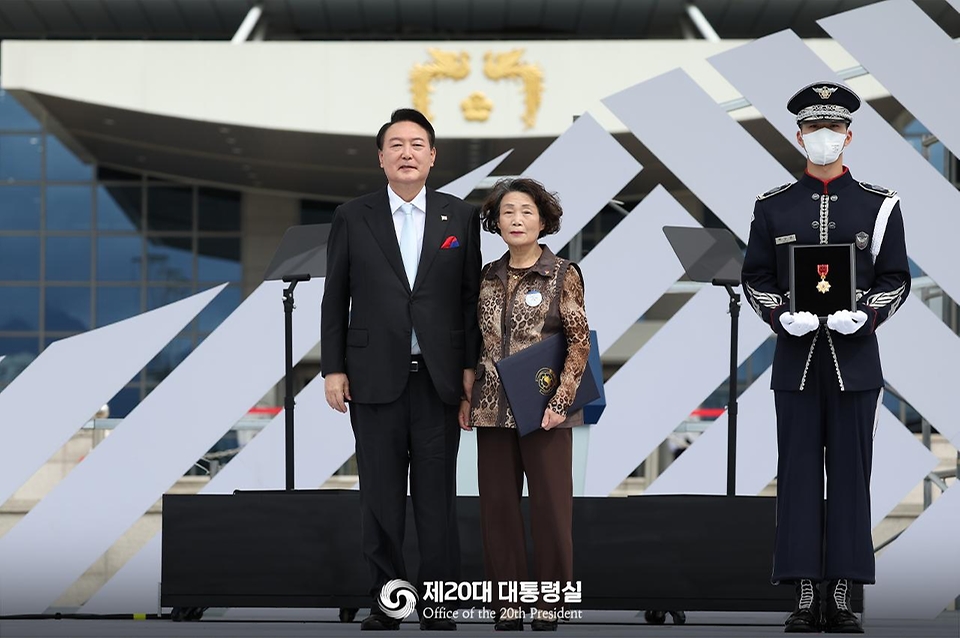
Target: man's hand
(464, 416)
(799, 323)
(551, 419)
(469, 376)
(336, 387)
(846, 322)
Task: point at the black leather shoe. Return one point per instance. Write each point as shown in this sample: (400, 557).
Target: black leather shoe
(438, 624)
(379, 622)
(539, 624)
(514, 624)
(837, 616)
(805, 619)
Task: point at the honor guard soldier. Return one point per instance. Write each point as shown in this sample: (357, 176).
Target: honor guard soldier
(827, 380)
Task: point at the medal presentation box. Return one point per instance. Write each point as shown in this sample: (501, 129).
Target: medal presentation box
(822, 279)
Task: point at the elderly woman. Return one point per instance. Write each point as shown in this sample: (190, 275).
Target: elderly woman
(525, 296)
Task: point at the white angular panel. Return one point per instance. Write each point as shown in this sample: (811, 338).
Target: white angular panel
(658, 388)
(324, 440)
(50, 400)
(465, 184)
(769, 70)
(918, 574)
(900, 462)
(175, 425)
(700, 144)
(921, 45)
(702, 468)
(622, 282)
(586, 167)
(920, 356)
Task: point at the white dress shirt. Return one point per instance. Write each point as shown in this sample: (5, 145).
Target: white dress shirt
(419, 214)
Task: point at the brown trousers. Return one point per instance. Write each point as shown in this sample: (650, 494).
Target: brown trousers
(546, 457)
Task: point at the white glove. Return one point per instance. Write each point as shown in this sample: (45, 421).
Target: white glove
(799, 323)
(846, 322)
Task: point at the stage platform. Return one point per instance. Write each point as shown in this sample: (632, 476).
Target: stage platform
(295, 623)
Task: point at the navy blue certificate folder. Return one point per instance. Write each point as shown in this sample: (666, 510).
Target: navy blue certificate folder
(530, 379)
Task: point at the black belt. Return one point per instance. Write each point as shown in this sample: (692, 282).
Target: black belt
(416, 363)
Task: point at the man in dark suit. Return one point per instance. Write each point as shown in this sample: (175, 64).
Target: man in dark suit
(399, 341)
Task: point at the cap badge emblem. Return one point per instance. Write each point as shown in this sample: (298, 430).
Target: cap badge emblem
(824, 91)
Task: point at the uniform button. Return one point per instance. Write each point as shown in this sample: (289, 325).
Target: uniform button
(814, 225)
(832, 225)
(815, 196)
(833, 198)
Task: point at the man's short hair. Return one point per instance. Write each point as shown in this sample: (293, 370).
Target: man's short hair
(407, 115)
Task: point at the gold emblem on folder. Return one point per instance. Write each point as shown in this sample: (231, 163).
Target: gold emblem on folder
(546, 381)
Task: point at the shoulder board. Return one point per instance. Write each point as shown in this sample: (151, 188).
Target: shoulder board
(774, 191)
(879, 190)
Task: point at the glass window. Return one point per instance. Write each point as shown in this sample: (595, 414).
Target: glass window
(219, 309)
(170, 208)
(20, 206)
(170, 259)
(124, 402)
(118, 208)
(938, 157)
(19, 309)
(68, 258)
(168, 359)
(117, 303)
(119, 258)
(63, 165)
(162, 295)
(219, 259)
(218, 209)
(20, 258)
(19, 353)
(14, 117)
(68, 207)
(20, 157)
(67, 309)
(314, 212)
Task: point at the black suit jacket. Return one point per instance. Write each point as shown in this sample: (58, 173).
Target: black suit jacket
(369, 309)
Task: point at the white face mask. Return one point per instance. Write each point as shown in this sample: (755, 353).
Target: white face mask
(824, 146)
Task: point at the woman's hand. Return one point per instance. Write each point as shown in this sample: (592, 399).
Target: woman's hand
(464, 416)
(551, 419)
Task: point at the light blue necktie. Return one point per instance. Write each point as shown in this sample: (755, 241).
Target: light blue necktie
(408, 252)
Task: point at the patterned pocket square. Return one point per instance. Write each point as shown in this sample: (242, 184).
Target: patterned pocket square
(450, 242)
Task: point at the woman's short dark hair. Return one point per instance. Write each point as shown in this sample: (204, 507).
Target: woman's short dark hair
(407, 115)
(548, 204)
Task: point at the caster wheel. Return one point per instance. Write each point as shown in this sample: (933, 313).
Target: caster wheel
(655, 617)
(194, 614)
(176, 614)
(347, 614)
(679, 617)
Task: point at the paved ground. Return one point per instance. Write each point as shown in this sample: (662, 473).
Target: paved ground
(275, 623)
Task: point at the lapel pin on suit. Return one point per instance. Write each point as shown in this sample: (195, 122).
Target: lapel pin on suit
(443, 218)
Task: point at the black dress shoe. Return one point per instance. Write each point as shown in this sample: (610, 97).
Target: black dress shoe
(514, 624)
(805, 619)
(438, 624)
(379, 622)
(837, 616)
(539, 624)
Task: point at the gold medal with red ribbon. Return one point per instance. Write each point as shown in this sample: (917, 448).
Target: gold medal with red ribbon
(823, 286)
